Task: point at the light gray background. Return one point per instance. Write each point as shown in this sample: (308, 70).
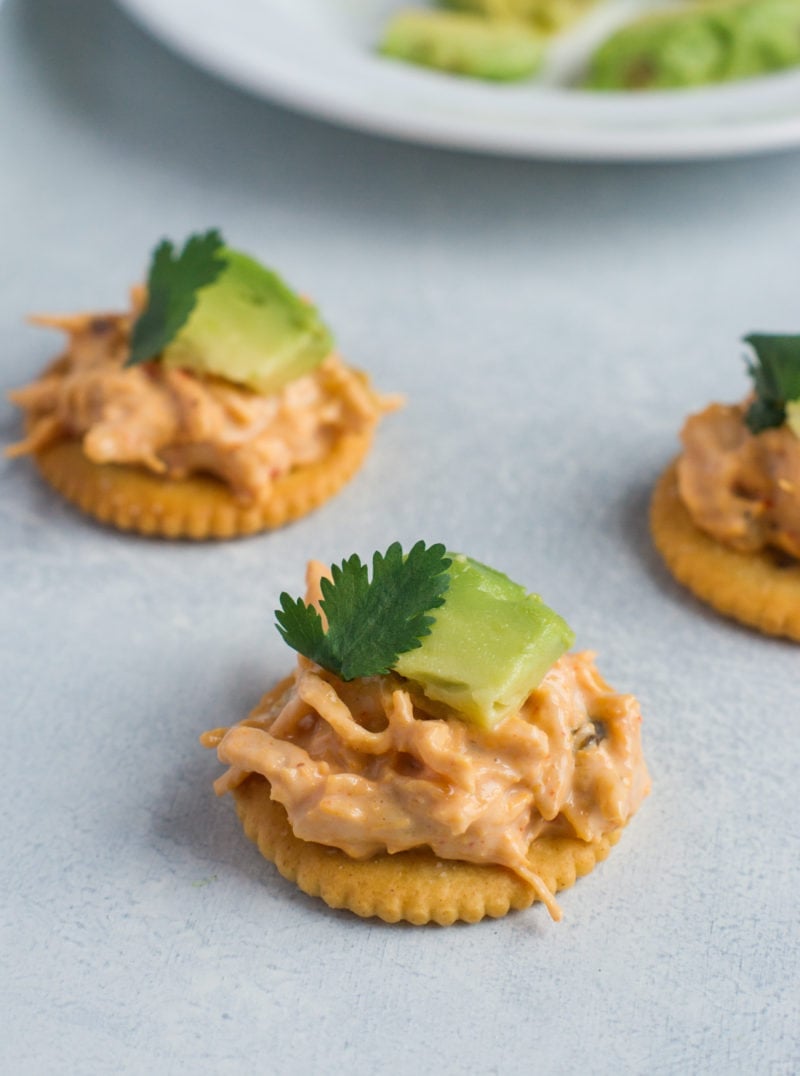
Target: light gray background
(551, 326)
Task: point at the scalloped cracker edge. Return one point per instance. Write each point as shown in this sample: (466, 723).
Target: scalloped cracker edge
(752, 588)
(416, 886)
(199, 507)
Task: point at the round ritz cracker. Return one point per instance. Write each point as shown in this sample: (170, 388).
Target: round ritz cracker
(199, 506)
(417, 886)
(761, 590)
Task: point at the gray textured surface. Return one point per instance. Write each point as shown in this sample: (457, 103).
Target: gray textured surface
(551, 326)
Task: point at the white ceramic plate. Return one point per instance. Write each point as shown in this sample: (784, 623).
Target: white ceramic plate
(317, 56)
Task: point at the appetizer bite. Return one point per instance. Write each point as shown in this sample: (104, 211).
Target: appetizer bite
(436, 754)
(726, 515)
(217, 407)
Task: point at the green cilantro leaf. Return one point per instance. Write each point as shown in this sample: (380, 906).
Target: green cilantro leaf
(370, 623)
(172, 286)
(776, 377)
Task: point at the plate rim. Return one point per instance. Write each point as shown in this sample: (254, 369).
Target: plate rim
(706, 141)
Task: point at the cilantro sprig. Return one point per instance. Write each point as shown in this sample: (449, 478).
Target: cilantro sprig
(776, 377)
(173, 282)
(370, 622)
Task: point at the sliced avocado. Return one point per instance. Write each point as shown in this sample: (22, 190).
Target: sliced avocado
(463, 44)
(251, 328)
(546, 16)
(490, 645)
(765, 36)
(715, 41)
(662, 51)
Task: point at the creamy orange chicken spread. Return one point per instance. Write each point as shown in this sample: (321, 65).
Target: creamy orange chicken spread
(741, 488)
(362, 767)
(175, 422)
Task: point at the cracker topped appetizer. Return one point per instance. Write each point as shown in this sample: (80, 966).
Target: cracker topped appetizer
(217, 407)
(436, 754)
(726, 514)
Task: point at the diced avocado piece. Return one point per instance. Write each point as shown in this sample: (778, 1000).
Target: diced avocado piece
(463, 44)
(251, 328)
(662, 51)
(546, 16)
(490, 645)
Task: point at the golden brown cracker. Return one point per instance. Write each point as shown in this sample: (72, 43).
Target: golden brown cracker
(416, 886)
(135, 499)
(758, 589)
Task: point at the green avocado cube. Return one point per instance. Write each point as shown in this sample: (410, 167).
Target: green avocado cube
(490, 645)
(464, 44)
(251, 328)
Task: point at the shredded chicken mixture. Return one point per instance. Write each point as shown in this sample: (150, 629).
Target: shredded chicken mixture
(741, 488)
(175, 423)
(360, 767)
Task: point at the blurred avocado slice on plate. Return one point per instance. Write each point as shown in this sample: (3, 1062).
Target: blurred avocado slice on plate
(497, 50)
(699, 44)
